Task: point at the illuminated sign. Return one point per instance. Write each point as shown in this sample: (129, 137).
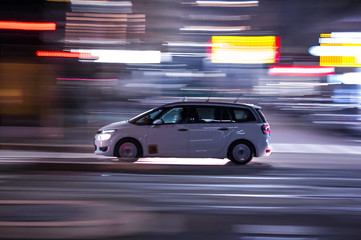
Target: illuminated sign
(245, 49)
(339, 49)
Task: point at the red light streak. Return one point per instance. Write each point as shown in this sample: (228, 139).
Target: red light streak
(30, 26)
(300, 70)
(65, 54)
(86, 79)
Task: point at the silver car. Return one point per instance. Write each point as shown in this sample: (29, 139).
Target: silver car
(238, 132)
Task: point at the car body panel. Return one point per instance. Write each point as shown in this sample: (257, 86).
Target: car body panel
(167, 141)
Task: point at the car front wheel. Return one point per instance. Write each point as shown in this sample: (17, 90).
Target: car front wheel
(240, 153)
(127, 150)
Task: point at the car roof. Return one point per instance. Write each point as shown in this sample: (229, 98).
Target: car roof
(224, 104)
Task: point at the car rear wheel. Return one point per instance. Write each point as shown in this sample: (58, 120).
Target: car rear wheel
(127, 150)
(240, 153)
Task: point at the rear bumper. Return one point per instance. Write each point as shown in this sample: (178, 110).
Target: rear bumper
(268, 151)
(264, 151)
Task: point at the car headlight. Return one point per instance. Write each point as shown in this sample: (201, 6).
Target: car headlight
(105, 135)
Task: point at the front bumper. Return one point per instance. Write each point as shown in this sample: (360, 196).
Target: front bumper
(103, 148)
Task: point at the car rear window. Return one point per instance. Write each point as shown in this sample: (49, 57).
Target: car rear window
(242, 115)
(261, 115)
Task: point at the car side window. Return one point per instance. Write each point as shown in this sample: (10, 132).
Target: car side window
(173, 116)
(226, 116)
(205, 114)
(242, 115)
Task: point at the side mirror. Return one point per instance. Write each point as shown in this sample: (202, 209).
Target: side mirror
(158, 122)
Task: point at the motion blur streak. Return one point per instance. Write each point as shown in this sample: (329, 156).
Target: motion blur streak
(64, 54)
(335, 51)
(346, 34)
(346, 78)
(102, 3)
(295, 70)
(218, 17)
(29, 26)
(85, 79)
(226, 3)
(101, 6)
(215, 28)
(121, 56)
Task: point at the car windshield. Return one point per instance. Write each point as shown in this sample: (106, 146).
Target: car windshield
(146, 118)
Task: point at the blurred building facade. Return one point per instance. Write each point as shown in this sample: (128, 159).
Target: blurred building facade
(108, 60)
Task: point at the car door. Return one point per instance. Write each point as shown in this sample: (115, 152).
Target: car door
(170, 138)
(207, 132)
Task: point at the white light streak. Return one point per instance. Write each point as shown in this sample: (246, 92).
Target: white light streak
(335, 51)
(215, 28)
(185, 74)
(340, 40)
(301, 70)
(346, 35)
(101, 3)
(346, 78)
(123, 56)
(227, 3)
(188, 44)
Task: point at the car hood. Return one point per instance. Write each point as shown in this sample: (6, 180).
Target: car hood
(115, 125)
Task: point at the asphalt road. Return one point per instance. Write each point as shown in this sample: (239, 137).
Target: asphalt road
(287, 196)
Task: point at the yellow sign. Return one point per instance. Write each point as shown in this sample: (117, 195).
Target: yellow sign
(333, 58)
(339, 61)
(245, 49)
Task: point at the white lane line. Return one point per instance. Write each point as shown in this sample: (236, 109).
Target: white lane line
(283, 196)
(292, 208)
(315, 148)
(206, 177)
(278, 229)
(277, 238)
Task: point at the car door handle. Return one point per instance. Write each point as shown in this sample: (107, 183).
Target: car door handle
(183, 129)
(223, 129)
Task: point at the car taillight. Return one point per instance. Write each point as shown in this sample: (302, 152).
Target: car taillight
(266, 129)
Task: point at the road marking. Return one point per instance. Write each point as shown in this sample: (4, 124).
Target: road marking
(278, 229)
(315, 148)
(278, 238)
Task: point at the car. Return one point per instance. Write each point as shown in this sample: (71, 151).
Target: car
(235, 131)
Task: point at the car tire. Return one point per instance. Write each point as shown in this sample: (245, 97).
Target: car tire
(128, 150)
(240, 153)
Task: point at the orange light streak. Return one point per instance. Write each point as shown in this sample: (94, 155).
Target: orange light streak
(29, 26)
(65, 54)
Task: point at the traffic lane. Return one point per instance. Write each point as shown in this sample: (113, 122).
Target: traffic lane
(313, 160)
(281, 189)
(279, 203)
(181, 165)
